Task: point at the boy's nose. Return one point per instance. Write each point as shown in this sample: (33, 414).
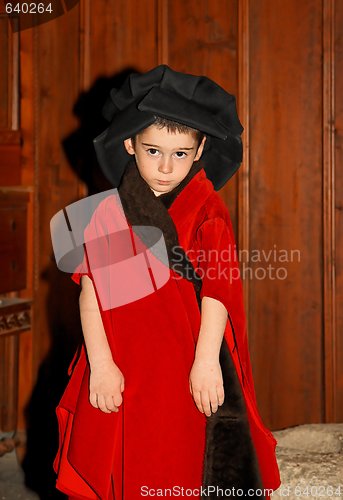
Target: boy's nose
(166, 165)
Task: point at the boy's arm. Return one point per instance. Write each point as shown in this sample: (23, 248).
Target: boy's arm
(94, 334)
(219, 295)
(206, 380)
(213, 322)
(106, 379)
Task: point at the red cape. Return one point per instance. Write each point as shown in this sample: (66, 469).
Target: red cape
(152, 341)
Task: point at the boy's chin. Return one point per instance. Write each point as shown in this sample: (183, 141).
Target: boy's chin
(158, 191)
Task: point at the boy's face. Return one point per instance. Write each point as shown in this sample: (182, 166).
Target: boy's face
(164, 158)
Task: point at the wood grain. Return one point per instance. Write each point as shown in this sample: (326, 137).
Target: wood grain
(286, 106)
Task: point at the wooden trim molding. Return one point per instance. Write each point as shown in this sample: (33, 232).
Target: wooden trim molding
(15, 315)
(243, 110)
(85, 43)
(330, 375)
(14, 322)
(162, 32)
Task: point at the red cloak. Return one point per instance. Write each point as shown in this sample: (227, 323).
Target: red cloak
(157, 439)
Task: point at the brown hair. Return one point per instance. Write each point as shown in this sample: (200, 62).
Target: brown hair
(172, 126)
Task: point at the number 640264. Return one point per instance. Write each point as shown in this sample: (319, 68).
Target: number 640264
(27, 8)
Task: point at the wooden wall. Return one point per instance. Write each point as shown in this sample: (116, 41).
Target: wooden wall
(286, 207)
(295, 66)
(283, 60)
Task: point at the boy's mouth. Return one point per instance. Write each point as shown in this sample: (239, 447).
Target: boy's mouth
(165, 183)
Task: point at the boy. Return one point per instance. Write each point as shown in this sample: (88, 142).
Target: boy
(162, 390)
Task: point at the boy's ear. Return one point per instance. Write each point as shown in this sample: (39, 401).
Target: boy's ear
(200, 149)
(129, 146)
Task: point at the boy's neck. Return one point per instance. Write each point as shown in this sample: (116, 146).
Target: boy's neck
(155, 192)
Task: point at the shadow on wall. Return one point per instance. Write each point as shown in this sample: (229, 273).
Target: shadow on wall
(62, 303)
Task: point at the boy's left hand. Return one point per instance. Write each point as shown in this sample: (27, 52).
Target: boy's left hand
(206, 385)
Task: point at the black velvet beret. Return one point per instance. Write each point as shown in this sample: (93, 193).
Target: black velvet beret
(191, 100)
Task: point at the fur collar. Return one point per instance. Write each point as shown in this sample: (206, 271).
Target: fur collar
(143, 208)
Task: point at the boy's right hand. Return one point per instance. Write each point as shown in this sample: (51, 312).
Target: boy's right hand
(105, 386)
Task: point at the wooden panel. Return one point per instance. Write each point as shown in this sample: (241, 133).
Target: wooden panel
(12, 248)
(13, 237)
(9, 76)
(286, 208)
(337, 346)
(10, 160)
(122, 35)
(329, 332)
(9, 87)
(4, 80)
(8, 382)
(202, 39)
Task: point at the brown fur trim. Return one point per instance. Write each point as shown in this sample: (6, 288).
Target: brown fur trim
(143, 208)
(230, 458)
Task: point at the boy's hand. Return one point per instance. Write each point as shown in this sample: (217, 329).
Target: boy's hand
(206, 384)
(105, 386)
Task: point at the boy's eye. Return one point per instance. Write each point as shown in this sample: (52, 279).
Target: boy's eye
(152, 151)
(180, 154)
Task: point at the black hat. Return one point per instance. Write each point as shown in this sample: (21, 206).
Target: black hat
(195, 101)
